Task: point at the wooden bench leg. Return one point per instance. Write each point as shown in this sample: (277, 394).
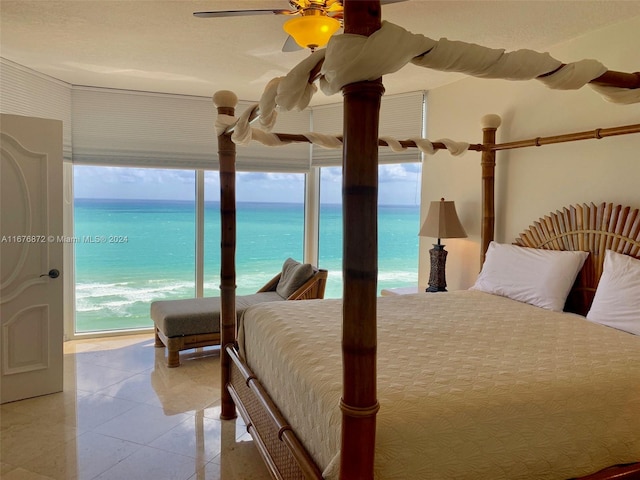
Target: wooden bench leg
(173, 359)
(158, 343)
(173, 356)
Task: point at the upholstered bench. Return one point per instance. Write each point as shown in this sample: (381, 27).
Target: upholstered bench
(195, 322)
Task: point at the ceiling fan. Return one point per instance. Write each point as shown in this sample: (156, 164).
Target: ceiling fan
(314, 23)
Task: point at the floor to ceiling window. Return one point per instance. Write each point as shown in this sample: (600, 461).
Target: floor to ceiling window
(151, 217)
(270, 226)
(398, 225)
(134, 243)
(135, 231)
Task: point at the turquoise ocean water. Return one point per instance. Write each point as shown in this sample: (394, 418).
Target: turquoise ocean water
(132, 252)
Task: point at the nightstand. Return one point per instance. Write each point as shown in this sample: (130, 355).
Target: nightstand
(387, 292)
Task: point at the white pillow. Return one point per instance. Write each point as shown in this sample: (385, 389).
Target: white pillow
(617, 299)
(540, 277)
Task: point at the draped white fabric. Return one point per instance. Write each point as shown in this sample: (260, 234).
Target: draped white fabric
(426, 146)
(483, 62)
(351, 58)
(401, 116)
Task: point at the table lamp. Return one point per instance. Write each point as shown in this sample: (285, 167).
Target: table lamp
(441, 222)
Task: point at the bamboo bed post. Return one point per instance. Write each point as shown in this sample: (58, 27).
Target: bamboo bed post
(226, 102)
(359, 403)
(490, 124)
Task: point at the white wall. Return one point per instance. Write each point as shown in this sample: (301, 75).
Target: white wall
(532, 182)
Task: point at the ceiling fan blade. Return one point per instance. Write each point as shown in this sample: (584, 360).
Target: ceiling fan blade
(290, 45)
(239, 13)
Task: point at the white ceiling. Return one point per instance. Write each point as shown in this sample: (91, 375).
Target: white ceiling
(157, 45)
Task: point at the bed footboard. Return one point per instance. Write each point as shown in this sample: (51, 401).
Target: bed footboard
(281, 449)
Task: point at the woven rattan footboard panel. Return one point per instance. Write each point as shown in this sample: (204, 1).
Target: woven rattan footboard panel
(283, 453)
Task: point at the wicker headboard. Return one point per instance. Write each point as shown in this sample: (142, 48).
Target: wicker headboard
(589, 228)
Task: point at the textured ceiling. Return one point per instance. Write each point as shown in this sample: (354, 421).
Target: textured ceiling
(159, 46)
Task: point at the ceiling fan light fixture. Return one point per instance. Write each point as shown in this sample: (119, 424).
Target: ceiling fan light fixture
(312, 31)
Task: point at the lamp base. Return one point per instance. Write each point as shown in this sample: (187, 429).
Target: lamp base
(437, 280)
(432, 289)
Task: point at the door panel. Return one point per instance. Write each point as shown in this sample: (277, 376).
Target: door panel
(26, 328)
(31, 302)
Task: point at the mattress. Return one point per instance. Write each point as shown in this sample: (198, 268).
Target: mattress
(470, 386)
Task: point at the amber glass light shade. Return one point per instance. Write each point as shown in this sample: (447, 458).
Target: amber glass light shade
(312, 31)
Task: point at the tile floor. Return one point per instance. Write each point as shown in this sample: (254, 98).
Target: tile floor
(124, 415)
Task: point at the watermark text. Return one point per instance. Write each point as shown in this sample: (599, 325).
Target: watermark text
(98, 239)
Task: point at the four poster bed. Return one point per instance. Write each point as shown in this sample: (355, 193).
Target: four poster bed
(468, 384)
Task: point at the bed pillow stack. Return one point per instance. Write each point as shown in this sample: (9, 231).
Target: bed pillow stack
(539, 277)
(617, 299)
(294, 274)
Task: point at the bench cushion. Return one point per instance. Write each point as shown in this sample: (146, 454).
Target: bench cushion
(193, 316)
(293, 276)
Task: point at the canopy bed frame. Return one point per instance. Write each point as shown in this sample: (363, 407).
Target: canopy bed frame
(285, 455)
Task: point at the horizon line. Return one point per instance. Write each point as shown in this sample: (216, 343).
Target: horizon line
(237, 201)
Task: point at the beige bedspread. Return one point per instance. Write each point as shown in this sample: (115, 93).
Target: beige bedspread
(471, 386)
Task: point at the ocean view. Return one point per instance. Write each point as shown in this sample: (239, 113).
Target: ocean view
(145, 251)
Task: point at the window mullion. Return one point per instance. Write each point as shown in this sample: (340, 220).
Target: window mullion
(312, 216)
(199, 234)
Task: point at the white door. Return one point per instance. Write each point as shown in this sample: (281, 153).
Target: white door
(31, 252)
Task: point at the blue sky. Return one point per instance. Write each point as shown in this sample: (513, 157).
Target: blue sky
(399, 184)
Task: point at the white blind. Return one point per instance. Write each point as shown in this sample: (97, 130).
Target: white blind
(26, 92)
(402, 116)
(131, 128)
(141, 129)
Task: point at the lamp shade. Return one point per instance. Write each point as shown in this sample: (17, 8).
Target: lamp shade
(312, 31)
(442, 221)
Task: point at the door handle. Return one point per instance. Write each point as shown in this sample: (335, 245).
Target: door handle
(53, 273)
